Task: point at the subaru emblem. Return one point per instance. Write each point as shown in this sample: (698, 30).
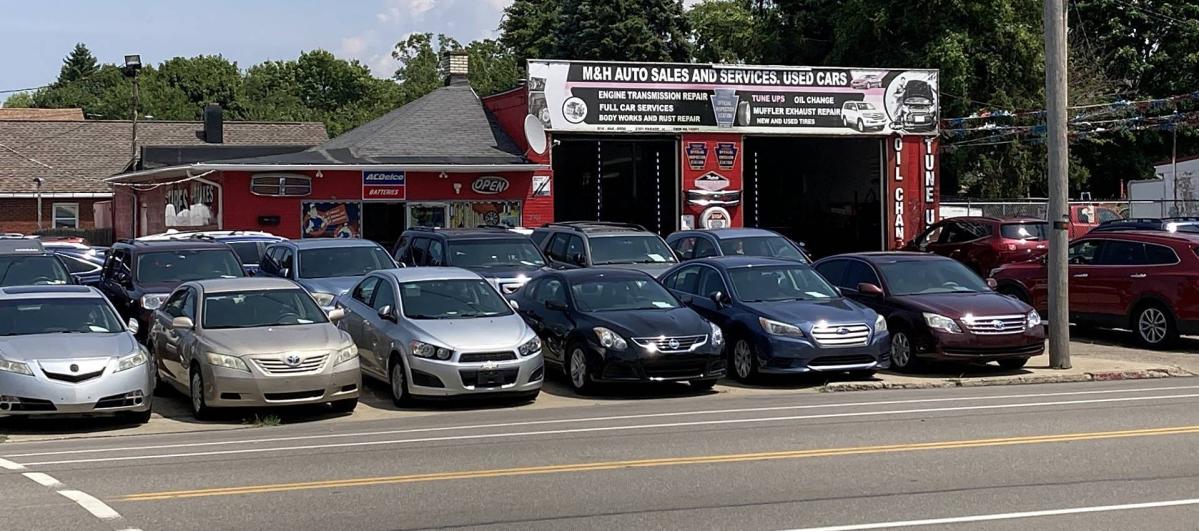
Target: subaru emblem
(842, 331)
(292, 360)
(74, 368)
(673, 344)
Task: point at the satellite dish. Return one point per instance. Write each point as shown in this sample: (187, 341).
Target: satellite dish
(535, 134)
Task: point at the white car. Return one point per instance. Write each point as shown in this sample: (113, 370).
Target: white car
(862, 116)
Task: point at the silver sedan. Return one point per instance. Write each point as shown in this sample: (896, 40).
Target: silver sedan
(63, 350)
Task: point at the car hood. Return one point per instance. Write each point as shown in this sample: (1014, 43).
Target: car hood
(332, 285)
(651, 323)
(806, 313)
(274, 339)
(64, 346)
(655, 269)
(484, 333)
(957, 305)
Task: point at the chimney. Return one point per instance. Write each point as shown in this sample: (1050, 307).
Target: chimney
(459, 68)
(214, 124)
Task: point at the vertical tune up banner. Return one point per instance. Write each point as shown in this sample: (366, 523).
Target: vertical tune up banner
(913, 187)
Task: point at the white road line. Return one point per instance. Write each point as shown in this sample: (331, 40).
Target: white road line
(43, 479)
(589, 419)
(98, 508)
(1003, 516)
(484, 436)
(9, 465)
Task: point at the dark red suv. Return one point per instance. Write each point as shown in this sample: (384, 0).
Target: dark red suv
(984, 243)
(1144, 281)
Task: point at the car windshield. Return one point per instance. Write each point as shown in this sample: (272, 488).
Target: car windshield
(780, 283)
(451, 299)
(253, 309)
(919, 277)
(606, 295)
(1024, 231)
(494, 253)
(184, 266)
(343, 261)
(866, 106)
(57, 316)
(629, 250)
(248, 252)
(18, 270)
(772, 246)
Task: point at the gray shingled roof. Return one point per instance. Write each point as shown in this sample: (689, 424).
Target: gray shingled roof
(74, 156)
(446, 126)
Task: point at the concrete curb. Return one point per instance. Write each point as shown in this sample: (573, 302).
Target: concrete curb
(1098, 376)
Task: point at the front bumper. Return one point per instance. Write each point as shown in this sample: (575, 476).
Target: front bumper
(225, 387)
(794, 355)
(637, 364)
(967, 346)
(436, 378)
(111, 392)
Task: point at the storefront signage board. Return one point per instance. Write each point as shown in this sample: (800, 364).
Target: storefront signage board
(384, 186)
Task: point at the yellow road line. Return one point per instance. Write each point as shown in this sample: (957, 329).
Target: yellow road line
(670, 461)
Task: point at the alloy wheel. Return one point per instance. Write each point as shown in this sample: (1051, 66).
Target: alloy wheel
(901, 350)
(1153, 325)
(197, 391)
(578, 368)
(397, 381)
(743, 361)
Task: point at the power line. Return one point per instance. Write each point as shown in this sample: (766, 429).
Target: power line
(1152, 13)
(23, 89)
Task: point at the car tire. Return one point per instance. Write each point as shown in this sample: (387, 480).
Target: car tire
(398, 382)
(902, 357)
(1015, 293)
(577, 371)
(703, 385)
(195, 390)
(345, 406)
(140, 417)
(861, 125)
(1012, 364)
(743, 360)
(1154, 326)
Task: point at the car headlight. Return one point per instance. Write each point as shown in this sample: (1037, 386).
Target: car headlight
(15, 367)
(530, 347)
(421, 349)
(346, 354)
(880, 324)
(942, 323)
(610, 339)
(154, 301)
(324, 299)
(776, 328)
(1034, 319)
(132, 360)
(717, 335)
(228, 362)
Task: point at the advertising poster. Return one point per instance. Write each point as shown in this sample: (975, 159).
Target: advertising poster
(588, 96)
(331, 219)
(913, 187)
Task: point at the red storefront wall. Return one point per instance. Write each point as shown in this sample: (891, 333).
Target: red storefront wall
(509, 109)
(913, 187)
(712, 156)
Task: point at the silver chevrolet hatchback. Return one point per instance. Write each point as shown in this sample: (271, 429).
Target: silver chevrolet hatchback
(439, 332)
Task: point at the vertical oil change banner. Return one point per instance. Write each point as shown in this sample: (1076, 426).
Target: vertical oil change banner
(913, 187)
(590, 96)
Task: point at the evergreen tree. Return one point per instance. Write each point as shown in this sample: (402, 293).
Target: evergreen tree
(79, 64)
(624, 30)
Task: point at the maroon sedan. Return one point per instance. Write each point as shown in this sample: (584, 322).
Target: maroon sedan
(936, 308)
(984, 243)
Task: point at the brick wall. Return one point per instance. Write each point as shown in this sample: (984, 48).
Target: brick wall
(20, 215)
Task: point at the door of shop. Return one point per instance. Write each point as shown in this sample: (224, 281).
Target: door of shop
(822, 191)
(633, 180)
(383, 222)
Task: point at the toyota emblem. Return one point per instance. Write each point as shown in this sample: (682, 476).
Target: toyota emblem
(997, 324)
(292, 360)
(673, 344)
(74, 368)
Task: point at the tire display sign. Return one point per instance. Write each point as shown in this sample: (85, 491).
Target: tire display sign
(592, 96)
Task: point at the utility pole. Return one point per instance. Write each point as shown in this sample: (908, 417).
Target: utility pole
(1059, 215)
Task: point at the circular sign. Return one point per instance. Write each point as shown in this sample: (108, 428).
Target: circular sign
(489, 185)
(715, 218)
(574, 109)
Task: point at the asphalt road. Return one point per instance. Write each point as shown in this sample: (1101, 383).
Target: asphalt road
(1100, 455)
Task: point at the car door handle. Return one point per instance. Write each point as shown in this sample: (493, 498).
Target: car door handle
(1137, 275)
(1081, 275)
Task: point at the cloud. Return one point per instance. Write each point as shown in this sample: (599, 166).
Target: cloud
(353, 46)
(398, 10)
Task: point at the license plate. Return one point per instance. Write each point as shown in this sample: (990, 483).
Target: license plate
(920, 119)
(486, 378)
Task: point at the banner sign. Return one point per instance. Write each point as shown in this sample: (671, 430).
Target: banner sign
(383, 186)
(589, 96)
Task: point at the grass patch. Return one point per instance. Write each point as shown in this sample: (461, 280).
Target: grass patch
(3, 438)
(264, 420)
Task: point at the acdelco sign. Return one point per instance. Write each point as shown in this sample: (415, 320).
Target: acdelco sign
(383, 185)
(489, 185)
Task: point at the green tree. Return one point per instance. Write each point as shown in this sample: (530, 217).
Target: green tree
(724, 31)
(795, 32)
(79, 64)
(202, 80)
(19, 100)
(623, 30)
(493, 67)
(530, 29)
(421, 69)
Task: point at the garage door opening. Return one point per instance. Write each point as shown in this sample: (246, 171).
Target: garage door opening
(639, 181)
(821, 191)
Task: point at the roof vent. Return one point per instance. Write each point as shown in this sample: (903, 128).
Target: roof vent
(214, 124)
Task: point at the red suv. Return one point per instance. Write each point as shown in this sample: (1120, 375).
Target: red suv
(984, 243)
(1141, 280)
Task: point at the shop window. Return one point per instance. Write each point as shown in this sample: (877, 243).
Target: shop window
(66, 215)
(472, 214)
(275, 185)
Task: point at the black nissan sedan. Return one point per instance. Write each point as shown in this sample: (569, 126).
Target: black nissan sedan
(612, 325)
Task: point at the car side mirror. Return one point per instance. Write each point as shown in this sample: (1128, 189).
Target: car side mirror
(336, 315)
(992, 284)
(513, 304)
(182, 323)
(721, 299)
(866, 288)
(134, 326)
(555, 305)
(285, 272)
(387, 313)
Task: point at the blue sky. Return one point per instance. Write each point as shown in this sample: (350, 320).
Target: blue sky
(35, 36)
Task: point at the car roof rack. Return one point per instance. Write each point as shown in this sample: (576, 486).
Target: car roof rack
(584, 226)
(1182, 218)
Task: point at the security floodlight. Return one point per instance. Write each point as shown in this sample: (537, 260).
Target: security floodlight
(133, 62)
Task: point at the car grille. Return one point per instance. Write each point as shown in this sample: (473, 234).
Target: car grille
(836, 336)
(831, 361)
(671, 344)
(479, 357)
(298, 395)
(73, 378)
(278, 365)
(996, 325)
